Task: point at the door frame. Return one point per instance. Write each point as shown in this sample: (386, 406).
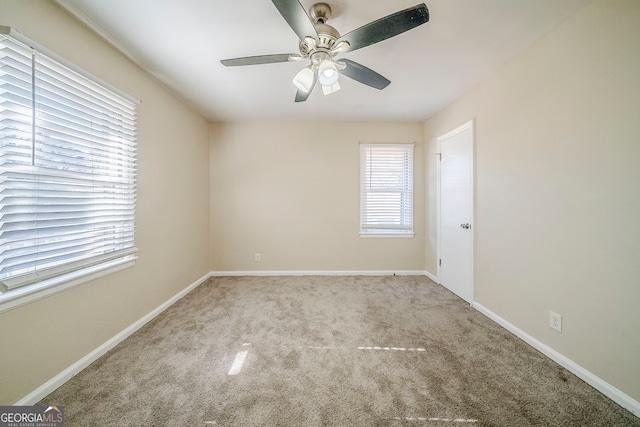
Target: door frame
(441, 138)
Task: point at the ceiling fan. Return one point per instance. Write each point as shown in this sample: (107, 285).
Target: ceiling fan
(320, 43)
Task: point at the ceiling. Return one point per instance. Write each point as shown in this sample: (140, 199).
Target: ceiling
(181, 42)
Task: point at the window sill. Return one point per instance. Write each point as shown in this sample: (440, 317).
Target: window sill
(34, 292)
(387, 235)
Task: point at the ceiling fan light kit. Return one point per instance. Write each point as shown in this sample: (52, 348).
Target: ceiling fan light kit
(329, 89)
(320, 43)
(304, 79)
(327, 73)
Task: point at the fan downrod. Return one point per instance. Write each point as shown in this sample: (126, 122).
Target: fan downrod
(320, 13)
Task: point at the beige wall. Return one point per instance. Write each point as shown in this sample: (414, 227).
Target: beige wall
(290, 191)
(557, 202)
(43, 338)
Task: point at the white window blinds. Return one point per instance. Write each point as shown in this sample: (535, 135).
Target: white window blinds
(386, 185)
(67, 169)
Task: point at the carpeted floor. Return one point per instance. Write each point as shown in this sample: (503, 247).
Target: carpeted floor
(328, 351)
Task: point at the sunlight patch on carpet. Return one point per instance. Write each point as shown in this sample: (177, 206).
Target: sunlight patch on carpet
(316, 347)
(238, 362)
(424, 419)
(392, 348)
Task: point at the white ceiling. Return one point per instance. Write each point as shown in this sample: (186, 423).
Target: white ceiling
(181, 42)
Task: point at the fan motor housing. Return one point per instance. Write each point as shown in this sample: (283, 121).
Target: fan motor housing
(327, 35)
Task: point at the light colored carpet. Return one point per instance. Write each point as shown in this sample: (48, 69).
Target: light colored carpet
(328, 351)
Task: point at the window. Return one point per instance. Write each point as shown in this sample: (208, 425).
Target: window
(67, 171)
(386, 190)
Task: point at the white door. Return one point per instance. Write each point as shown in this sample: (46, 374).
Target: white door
(455, 225)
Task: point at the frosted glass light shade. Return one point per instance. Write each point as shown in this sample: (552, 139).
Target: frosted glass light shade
(327, 73)
(329, 89)
(304, 79)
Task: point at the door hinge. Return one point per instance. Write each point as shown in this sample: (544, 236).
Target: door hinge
(439, 156)
(440, 262)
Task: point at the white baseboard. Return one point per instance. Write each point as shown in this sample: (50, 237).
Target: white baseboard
(596, 382)
(320, 273)
(64, 376)
(432, 277)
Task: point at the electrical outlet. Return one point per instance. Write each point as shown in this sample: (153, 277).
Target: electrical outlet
(257, 257)
(555, 321)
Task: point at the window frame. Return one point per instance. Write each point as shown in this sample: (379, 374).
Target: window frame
(59, 279)
(389, 230)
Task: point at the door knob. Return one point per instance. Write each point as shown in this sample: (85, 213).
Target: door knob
(465, 226)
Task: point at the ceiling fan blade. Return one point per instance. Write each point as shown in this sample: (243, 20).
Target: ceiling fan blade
(364, 75)
(261, 59)
(301, 95)
(296, 16)
(387, 27)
